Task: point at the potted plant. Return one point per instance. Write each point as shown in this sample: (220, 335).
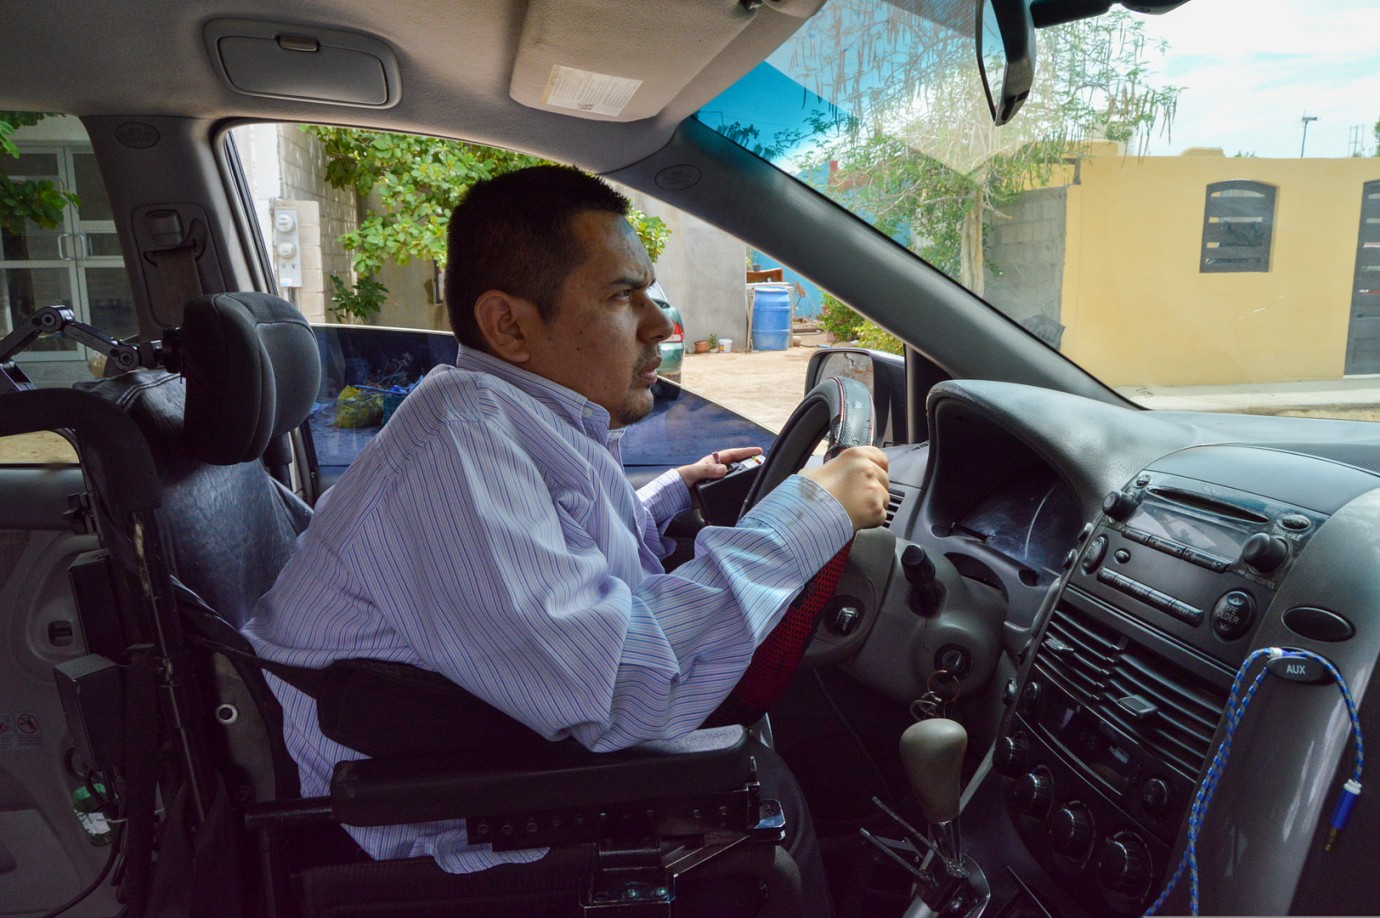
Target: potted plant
(713, 342)
(702, 346)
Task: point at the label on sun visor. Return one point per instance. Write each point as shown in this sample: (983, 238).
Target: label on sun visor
(585, 91)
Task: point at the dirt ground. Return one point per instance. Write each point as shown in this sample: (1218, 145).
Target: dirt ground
(764, 386)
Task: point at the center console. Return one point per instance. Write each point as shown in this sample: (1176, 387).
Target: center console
(1115, 712)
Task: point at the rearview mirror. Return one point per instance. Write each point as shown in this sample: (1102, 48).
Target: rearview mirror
(885, 377)
(1006, 55)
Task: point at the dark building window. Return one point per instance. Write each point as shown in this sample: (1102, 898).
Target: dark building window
(1238, 221)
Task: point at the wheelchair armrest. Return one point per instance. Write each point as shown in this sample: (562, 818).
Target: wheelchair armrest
(566, 777)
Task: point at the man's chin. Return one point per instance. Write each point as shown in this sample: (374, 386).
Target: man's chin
(635, 407)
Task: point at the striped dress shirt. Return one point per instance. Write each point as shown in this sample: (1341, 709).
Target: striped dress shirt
(488, 533)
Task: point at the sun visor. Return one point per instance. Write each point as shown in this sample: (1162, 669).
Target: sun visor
(303, 62)
(609, 60)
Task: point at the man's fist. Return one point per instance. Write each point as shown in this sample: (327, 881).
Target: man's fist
(857, 479)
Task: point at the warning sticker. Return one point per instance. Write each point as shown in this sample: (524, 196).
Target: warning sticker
(6, 731)
(27, 729)
(586, 91)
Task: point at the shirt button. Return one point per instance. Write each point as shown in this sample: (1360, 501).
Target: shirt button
(587, 412)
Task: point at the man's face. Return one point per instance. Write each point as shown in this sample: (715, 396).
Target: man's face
(603, 341)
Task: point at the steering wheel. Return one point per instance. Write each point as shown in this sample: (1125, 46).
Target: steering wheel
(840, 410)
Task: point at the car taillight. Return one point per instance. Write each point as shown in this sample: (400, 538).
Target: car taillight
(677, 336)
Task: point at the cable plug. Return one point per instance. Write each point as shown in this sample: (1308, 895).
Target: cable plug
(1350, 791)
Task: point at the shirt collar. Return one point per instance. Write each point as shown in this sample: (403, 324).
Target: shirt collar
(567, 404)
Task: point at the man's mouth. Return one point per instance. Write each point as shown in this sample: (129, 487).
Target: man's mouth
(647, 373)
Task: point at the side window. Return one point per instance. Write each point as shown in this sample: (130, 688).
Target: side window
(1238, 223)
(58, 247)
(354, 225)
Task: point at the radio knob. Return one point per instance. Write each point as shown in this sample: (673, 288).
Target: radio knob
(1124, 866)
(1265, 552)
(1034, 791)
(1009, 756)
(1118, 505)
(1071, 830)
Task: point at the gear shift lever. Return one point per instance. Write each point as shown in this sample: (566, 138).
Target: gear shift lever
(932, 752)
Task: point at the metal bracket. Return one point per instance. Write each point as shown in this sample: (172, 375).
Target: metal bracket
(640, 881)
(53, 320)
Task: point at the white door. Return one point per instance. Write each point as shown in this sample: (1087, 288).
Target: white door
(77, 264)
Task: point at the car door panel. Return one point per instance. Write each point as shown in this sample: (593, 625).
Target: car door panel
(45, 854)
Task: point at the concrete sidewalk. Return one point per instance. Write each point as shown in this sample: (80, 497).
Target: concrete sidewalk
(767, 385)
(1354, 398)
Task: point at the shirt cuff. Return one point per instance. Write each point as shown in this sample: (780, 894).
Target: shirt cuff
(665, 496)
(810, 522)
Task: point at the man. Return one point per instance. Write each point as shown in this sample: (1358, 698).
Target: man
(488, 533)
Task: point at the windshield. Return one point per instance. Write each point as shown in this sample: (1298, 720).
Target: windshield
(1187, 205)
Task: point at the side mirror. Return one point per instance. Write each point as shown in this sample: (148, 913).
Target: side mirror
(883, 374)
(1006, 55)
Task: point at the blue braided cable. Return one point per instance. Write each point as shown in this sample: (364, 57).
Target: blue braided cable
(1233, 713)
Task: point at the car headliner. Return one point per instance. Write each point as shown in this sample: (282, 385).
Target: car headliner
(456, 63)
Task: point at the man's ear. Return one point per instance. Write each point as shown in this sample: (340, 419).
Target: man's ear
(505, 320)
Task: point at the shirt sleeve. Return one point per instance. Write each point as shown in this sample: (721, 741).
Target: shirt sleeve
(665, 496)
(497, 586)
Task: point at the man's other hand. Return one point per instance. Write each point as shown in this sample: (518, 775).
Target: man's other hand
(857, 479)
(716, 464)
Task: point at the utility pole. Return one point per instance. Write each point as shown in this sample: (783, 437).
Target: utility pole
(1306, 119)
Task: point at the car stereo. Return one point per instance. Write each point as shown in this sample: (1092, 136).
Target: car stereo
(1113, 717)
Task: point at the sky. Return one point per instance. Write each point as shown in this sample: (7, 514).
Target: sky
(1279, 59)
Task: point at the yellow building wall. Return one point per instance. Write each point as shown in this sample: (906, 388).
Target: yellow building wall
(1133, 246)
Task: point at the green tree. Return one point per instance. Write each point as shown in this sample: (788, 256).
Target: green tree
(917, 153)
(38, 201)
(416, 182)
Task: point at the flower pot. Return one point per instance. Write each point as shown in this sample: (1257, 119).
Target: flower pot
(701, 347)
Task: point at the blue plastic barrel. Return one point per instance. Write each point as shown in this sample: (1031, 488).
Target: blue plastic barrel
(771, 317)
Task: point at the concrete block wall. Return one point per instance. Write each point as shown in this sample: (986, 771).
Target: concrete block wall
(702, 271)
(1026, 246)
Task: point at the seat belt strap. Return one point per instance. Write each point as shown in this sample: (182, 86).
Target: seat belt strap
(176, 283)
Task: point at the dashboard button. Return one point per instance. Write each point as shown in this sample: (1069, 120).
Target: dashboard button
(1096, 552)
(1009, 757)
(1186, 613)
(1071, 830)
(1122, 555)
(1295, 521)
(1154, 796)
(1232, 614)
(1136, 535)
(1265, 552)
(1033, 793)
(1118, 505)
(1124, 866)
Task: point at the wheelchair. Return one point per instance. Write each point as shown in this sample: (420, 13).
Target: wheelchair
(185, 456)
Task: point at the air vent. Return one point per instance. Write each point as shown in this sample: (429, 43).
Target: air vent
(894, 501)
(1171, 712)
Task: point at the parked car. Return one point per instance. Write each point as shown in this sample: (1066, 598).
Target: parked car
(1135, 486)
(673, 348)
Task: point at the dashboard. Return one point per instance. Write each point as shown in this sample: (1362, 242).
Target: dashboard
(1104, 572)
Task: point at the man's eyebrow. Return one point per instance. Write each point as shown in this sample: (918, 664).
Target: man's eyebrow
(629, 280)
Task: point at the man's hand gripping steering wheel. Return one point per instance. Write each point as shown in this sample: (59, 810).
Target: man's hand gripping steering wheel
(854, 473)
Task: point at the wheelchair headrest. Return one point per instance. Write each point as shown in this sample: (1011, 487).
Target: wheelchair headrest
(252, 370)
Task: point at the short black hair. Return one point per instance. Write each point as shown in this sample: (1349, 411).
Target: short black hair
(512, 233)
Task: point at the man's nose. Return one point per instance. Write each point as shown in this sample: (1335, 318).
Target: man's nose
(656, 325)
